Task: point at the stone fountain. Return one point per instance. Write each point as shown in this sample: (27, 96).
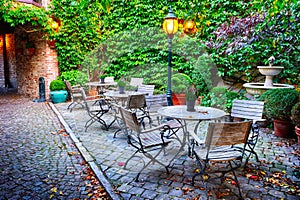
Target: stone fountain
(269, 71)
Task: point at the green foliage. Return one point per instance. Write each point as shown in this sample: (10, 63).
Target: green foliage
(38, 19)
(190, 96)
(222, 98)
(180, 83)
(57, 85)
(29, 44)
(246, 41)
(121, 83)
(75, 77)
(279, 103)
(296, 114)
(239, 35)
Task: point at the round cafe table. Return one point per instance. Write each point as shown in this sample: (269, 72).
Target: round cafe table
(180, 113)
(120, 97)
(101, 87)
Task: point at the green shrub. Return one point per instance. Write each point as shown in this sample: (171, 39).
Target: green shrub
(57, 85)
(279, 103)
(221, 97)
(190, 96)
(180, 83)
(296, 114)
(121, 83)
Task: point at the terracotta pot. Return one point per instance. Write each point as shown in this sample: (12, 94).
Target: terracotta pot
(283, 129)
(178, 99)
(297, 131)
(31, 51)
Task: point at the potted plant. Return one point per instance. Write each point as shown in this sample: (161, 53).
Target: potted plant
(102, 77)
(190, 97)
(278, 106)
(180, 84)
(58, 92)
(296, 119)
(30, 47)
(121, 84)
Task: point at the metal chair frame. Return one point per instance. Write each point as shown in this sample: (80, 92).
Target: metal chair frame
(249, 110)
(220, 150)
(75, 94)
(96, 111)
(146, 89)
(150, 142)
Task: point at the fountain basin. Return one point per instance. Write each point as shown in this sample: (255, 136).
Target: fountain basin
(270, 70)
(259, 88)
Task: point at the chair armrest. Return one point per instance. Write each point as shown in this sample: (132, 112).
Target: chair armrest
(259, 120)
(197, 138)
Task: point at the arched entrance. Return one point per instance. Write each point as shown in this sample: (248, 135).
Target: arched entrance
(8, 76)
(25, 57)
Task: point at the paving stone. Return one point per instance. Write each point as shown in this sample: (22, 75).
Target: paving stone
(48, 164)
(136, 190)
(149, 194)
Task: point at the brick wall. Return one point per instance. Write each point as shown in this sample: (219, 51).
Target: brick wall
(2, 80)
(32, 66)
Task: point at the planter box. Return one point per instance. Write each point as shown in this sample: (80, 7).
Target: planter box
(59, 96)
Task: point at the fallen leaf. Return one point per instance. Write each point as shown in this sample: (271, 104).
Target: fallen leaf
(121, 164)
(54, 190)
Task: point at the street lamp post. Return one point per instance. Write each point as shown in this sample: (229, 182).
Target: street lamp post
(170, 26)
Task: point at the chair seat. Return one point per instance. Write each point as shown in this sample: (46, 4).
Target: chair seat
(219, 153)
(173, 124)
(151, 139)
(98, 108)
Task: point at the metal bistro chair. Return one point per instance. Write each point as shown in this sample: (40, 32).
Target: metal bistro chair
(146, 89)
(136, 103)
(150, 142)
(136, 81)
(75, 95)
(253, 111)
(218, 154)
(97, 111)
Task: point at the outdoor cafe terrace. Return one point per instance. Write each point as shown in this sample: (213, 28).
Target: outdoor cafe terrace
(274, 176)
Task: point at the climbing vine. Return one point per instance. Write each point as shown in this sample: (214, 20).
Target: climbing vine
(239, 34)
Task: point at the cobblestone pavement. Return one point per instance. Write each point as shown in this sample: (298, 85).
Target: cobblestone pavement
(37, 159)
(276, 177)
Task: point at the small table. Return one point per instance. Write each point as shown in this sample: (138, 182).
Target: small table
(201, 113)
(101, 86)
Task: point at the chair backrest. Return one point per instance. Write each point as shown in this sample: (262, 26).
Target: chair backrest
(101, 104)
(69, 87)
(136, 81)
(155, 102)
(71, 90)
(247, 109)
(109, 79)
(130, 120)
(146, 89)
(227, 133)
(136, 101)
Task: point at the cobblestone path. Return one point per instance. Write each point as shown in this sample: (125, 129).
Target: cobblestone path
(37, 158)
